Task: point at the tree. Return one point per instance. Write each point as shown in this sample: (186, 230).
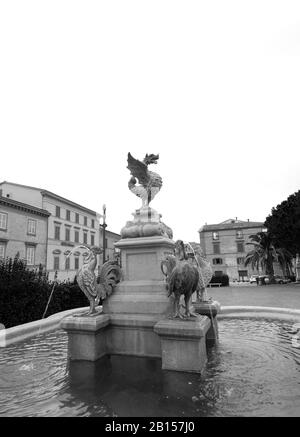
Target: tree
(265, 253)
(283, 224)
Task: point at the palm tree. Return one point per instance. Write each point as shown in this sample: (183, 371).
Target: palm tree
(265, 253)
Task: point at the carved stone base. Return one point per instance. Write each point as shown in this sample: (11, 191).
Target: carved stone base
(86, 336)
(124, 334)
(180, 344)
(146, 223)
(209, 309)
(183, 346)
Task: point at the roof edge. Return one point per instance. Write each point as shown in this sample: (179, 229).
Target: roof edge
(24, 206)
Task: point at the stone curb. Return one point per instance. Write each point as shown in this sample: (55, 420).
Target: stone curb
(27, 330)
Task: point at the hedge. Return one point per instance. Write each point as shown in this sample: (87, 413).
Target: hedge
(24, 294)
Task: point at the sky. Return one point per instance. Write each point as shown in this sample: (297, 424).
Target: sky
(211, 86)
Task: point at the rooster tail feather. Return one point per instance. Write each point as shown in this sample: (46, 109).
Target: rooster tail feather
(109, 276)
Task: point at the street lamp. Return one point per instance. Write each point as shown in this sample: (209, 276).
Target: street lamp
(103, 226)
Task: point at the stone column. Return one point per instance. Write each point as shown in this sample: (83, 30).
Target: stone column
(140, 300)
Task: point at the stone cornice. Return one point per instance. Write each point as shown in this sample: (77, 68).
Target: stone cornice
(46, 193)
(5, 201)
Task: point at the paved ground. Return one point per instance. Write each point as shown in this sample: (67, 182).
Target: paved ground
(284, 296)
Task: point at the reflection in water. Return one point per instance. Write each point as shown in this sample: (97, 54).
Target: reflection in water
(253, 371)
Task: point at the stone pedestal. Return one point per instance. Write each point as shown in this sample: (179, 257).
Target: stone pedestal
(143, 289)
(87, 336)
(146, 223)
(183, 345)
(209, 309)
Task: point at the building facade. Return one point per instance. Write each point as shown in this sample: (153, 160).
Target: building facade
(23, 231)
(111, 253)
(225, 246)
(70, 226)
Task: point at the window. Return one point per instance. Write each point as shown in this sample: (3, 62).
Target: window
(243, 274)
(57, 232)
(92, 239)
(85, 237)
(240, 246)
(239, 234)
(85, 221)
(57, 213)
(2, 250)
(67, 234)
(56, 263)
(216, 248)
(3, 220)
(93, 223)
(76, 263)
(218, 272)
(76, 217)
(240, 260)
(31, 227)
(30, 252)
(67, 265)
(215, 235)
(68, 214)
(217, 261)
(76, 236)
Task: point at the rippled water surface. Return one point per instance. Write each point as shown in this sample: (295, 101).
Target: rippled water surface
(253, 371)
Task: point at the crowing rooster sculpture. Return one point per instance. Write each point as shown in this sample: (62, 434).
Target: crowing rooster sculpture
(96, 290)
(150, 182)
(182, 278)
(204, 267)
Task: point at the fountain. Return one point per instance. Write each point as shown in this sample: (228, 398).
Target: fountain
(136, 318)
(132, 357)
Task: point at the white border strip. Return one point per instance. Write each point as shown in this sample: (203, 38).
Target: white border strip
(257, 311)
(27, 330)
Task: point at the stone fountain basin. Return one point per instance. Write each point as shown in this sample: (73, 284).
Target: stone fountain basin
(28, 330)
(254, 370)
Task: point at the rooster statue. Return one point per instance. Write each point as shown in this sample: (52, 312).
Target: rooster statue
(97, 289)
(150, 182)
(205, 270)
(182, 278)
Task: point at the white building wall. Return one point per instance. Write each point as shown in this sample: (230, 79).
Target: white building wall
(29, 195)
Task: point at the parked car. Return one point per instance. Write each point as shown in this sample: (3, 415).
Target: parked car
(281, 279)
(278, 279)
(253, 279)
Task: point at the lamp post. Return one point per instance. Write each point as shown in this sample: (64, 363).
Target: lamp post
(103, 226)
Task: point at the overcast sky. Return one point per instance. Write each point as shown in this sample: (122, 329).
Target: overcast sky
(212, 86)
